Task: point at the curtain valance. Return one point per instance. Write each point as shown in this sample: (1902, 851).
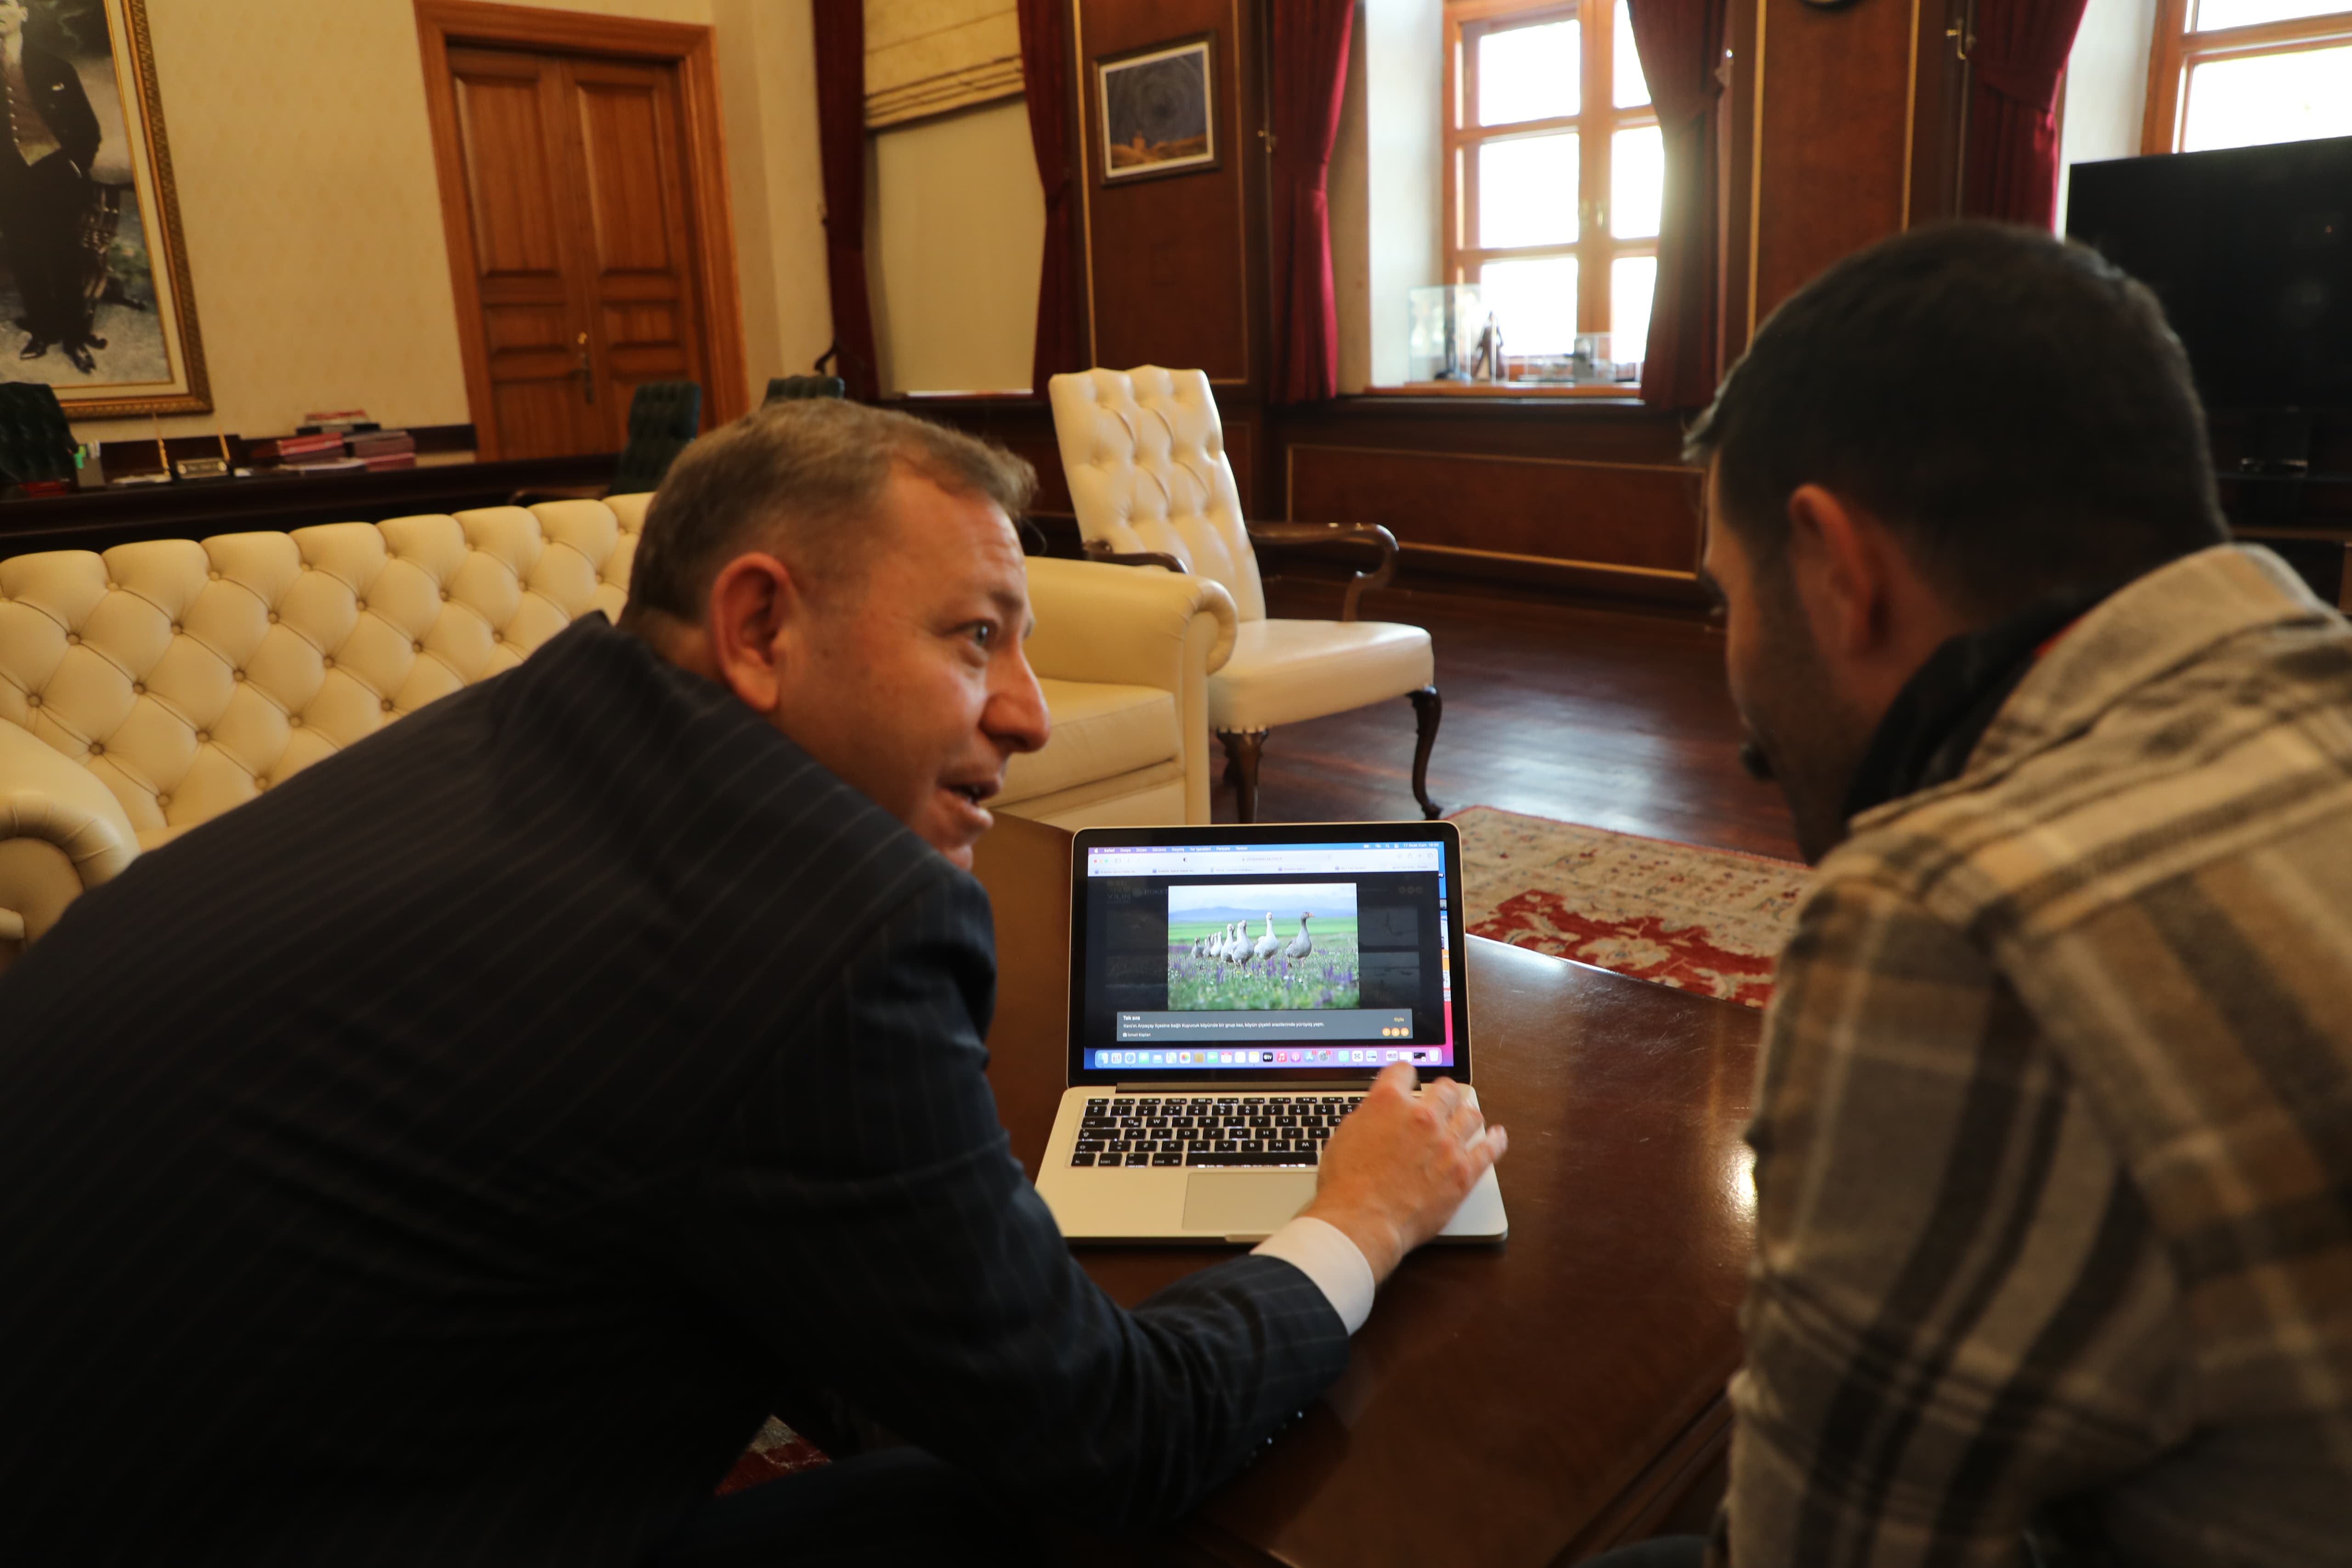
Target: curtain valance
(927, 56)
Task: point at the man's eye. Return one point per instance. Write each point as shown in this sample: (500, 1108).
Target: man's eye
(983, 634)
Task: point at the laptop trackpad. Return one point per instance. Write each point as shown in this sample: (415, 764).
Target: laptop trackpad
(1251, 1204)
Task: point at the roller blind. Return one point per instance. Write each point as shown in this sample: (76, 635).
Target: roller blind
(926, 56)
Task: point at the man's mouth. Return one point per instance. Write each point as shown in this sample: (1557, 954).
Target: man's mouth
(974, 793)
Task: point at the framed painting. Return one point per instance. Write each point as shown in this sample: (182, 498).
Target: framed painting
(94, 297)
(1158, 110)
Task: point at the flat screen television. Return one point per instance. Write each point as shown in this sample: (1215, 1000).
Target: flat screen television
(2250, 250)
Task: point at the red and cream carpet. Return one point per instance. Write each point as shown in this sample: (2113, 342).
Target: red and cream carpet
(1709, 920)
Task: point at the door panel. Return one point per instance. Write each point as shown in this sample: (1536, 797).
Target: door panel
(518, 188)
(648, 323)
(577, 197)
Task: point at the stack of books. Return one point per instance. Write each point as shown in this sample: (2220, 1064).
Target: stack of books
(300, 451)
(382, 449)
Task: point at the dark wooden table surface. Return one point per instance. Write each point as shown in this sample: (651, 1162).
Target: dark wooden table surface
(1523, 1405)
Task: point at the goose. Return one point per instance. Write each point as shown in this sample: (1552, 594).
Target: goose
(1302, 944)
(1236, 946)
(1270, 945)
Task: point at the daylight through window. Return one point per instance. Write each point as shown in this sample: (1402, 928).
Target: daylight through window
(1555, 172)
(2240, 73)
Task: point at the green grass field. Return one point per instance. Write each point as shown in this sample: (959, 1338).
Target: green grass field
(1326, 977)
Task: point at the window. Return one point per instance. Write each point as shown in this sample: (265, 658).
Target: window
(1555, 170)
(2239, 73)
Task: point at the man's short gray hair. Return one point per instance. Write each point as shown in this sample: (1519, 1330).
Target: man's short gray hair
(803, 479)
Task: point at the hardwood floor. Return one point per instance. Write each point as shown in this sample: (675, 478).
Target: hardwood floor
(1614, 718)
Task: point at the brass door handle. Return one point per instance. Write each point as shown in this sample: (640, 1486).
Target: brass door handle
(586, 374)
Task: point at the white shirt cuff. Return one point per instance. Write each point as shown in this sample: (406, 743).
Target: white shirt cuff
(1321, 1251)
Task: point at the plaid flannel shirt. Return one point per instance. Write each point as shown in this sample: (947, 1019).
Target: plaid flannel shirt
(2053, 1138)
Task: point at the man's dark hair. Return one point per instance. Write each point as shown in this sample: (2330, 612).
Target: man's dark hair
(801, 479)
(2010, 405)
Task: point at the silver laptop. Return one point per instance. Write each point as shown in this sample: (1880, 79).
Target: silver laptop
(1233, 991)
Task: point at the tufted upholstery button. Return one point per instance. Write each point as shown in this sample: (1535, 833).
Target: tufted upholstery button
(203, 737)
(387, 704)
(96, 750)
(176, 629)
(295, 719)
(361, 604)
(261, 782)
(445, 593)
(214, 575)
(73, 637)
(328, 662)
(273, 617)
(417, 646)
(113, 587)
(138, 689)
(163, 800)
(239, 674)
(33, 700)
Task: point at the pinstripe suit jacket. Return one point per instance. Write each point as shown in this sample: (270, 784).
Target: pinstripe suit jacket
(453, 1156)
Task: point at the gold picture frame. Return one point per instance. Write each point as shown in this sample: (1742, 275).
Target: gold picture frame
(91, 67)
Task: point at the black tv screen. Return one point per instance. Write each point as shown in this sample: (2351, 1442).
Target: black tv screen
(2250, 250)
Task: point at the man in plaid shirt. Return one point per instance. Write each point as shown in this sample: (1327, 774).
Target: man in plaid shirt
(2053, 1131)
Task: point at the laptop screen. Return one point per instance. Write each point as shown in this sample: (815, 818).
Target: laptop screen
(1240, 953)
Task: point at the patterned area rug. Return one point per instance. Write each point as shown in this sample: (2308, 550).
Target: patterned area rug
(778, 1450)
(1709, 920)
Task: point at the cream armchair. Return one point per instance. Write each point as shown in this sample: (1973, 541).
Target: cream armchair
(1124, 658)
(147, 690)
(1145, 455)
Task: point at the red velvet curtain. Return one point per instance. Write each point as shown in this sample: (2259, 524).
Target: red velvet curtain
(1681, 45)
(2012, 160)
(1046, 79)
(841, 147)
(1307, 76)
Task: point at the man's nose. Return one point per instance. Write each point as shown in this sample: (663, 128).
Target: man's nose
(1015, 717)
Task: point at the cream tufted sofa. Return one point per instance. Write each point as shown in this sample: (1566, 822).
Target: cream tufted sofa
(1144, 452)
(148, 689)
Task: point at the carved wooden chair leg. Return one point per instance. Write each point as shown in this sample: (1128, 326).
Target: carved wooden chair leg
(1242, 749)
(1428, 708)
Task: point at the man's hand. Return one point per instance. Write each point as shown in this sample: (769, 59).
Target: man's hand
(1401, 1163)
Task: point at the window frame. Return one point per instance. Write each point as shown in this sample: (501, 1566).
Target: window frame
(1596, 123)
(2177, 51)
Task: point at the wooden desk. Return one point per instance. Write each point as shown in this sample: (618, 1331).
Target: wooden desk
(1515, 1405)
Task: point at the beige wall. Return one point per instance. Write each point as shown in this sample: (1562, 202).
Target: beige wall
(957, 233)
(313, 221)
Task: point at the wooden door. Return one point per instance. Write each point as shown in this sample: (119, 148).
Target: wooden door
(576, 196)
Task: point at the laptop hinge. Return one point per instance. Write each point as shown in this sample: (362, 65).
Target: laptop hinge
(1319, 1085)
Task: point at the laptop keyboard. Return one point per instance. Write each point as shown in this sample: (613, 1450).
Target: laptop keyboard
(1130, 1130)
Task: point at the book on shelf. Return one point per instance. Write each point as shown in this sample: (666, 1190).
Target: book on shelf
(382, 462)
(288, 448)
(326, 463)
(377, 442)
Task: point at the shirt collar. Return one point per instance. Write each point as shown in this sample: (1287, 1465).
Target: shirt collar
(1985, 702)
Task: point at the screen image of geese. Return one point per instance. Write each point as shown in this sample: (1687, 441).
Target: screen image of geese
(1263, 947)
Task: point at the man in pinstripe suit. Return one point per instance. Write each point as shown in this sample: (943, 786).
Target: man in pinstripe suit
(2054, 1125)
(453, 1156)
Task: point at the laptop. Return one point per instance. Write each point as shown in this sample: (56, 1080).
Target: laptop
(1232, 992)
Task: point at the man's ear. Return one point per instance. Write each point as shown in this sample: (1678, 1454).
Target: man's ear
(754, 605)
(1844, 574)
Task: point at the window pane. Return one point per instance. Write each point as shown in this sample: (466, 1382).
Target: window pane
(2212, 16)
(1632, 279)
(1527, 192)
(1528, 73)
(1534, 302)
(1625, 61)
(2268, 98)
(1637, 181)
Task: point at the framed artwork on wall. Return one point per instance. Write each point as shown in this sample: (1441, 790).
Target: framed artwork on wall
(94, 296)
(1158, 110)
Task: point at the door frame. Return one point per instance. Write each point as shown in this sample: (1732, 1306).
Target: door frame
(710, 222)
